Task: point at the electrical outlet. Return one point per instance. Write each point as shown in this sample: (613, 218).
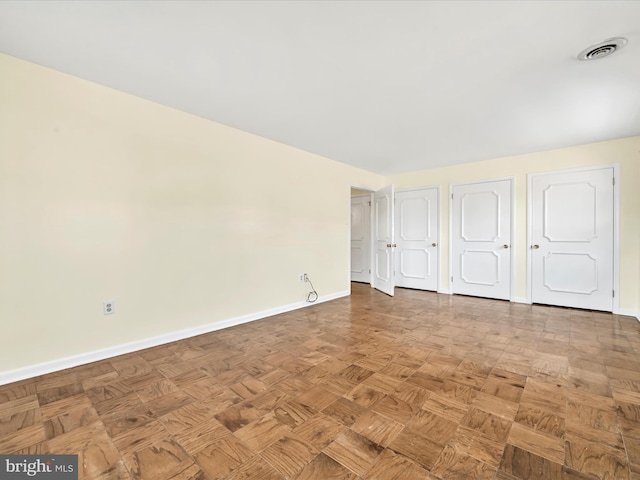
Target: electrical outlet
(108, 307)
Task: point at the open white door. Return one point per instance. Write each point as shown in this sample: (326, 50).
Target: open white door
(383, 240)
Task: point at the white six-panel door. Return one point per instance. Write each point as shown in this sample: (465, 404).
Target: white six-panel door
(417, 251)
(360, 238)
(383, 240)
(481, 239)
(572, 239)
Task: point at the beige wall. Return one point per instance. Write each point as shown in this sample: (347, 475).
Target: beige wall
(185, 222)
(180, 220)
(625, 152)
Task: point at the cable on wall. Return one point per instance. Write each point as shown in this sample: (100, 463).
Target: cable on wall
(313, 295)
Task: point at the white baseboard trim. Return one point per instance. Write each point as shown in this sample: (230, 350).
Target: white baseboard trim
(109, 352)
(629, 313)
(444, 291)
(521, 300)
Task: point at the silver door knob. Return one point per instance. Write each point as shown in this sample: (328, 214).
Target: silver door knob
(434, 244)
(505, 246)
(388, 245)
(535, 247)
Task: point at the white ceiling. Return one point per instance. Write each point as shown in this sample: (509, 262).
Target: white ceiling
(387, 86)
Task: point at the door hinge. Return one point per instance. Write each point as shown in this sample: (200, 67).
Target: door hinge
(369, 270)
(613, 293)
(613, 180)
(452, 279)
(452, 196)
(369, 202)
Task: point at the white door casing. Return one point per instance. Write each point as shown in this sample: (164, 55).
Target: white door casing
(481, 239)
(360, 238)
(417, 239)
(383, 278)
(572, 238)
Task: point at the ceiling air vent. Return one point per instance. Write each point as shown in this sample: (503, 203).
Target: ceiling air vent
(602, 49)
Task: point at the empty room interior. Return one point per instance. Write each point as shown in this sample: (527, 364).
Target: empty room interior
(320, 240)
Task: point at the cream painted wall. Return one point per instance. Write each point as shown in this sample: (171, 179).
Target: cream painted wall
(185, 222)
(180, 220)
(625, 152)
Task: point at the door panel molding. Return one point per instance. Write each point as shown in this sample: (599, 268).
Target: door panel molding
(471, 203)
(581, 270)
(572, 205)
(489, 261)
(405, 228)
(408, 258)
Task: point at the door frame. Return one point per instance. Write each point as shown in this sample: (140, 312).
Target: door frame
(371, 227)
(369, 242)
(365, 189)
(512, 243)
(616, 226)
(438, 223)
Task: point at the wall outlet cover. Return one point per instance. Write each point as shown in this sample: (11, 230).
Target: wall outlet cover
(108, 307)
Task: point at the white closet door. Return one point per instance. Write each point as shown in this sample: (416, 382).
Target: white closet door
(417, 252)
(481, 239)
(572, 239)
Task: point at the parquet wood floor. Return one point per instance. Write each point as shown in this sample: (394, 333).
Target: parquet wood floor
(419, 386)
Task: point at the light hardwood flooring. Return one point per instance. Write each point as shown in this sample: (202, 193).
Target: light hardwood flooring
(419, 386)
